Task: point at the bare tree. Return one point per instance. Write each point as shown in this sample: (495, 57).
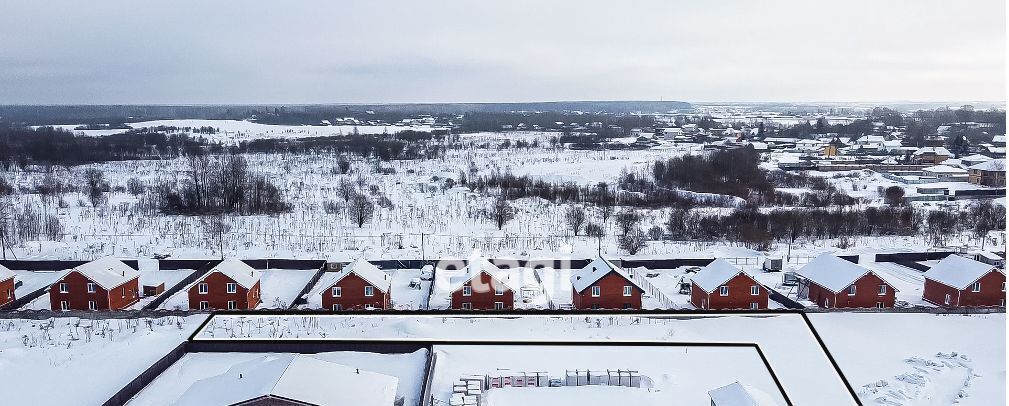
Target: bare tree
(95, 185)
(894, 195)
(216, 228)
(633, 241)
(360, 209)
(501, 212)
(575, 218)
(627, 220)
(135, 187)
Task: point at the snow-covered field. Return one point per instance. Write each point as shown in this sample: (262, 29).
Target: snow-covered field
(408, 368)
(669, 375)
(786, 341)
(919, 359)
(71, 361)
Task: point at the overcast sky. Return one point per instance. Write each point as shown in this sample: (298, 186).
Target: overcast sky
(167, 52)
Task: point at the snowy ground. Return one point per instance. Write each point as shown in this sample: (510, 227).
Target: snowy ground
(154, 277)
(34, 280)
(70, 361)
(670, 375)
(280, 287)
(405, 297)
(409, 368)
(919, 359)
(789, 346)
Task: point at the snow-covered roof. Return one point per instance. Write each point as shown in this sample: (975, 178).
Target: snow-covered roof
(958, 272)
(992, 165)
(478, 265)
(107, 272)
(595, 270)
(737, 394)
(976, 158)
(715, 274)
(363, 269)
(944, 169)
(832, 273)
(238, 271)
(296, 377)
(5, 273)
(933, 150)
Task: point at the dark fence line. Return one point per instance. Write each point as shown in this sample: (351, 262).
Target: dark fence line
(938, 311)
(24, 300)
(283, 263)
(300, 299)
(304, 347)
(177, 264)
(145, 378)
(913, 256)
(914, 265)
(784, 300)
(199, 273)
(53, 264)
(99, 314)
(426, 398)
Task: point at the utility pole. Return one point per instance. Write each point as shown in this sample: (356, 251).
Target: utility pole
(423, 258)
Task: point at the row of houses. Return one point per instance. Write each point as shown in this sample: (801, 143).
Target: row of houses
(827, 281)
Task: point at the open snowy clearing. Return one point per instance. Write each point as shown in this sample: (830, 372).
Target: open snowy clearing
(280, 287)
(670, 375)
(786, 341)
(408, 368)
(919, 359)
(89, 360)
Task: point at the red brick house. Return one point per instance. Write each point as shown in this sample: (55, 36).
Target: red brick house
(358, 286)
(6, 285)
(720, 285)
(231, 285)
(482, 286)
(832, 282)
(603, 285)
(957, 281)
(102, 284)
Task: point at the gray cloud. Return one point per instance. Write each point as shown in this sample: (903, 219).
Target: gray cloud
(518, 50)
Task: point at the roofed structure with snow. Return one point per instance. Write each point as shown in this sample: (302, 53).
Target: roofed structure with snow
(107, 272)
(832, 273)
(238, 271)
(596, 270)
(715, 274)
(959, 272)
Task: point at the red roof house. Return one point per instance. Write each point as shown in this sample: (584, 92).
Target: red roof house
(720, 285)
(957, 281)
(6, 285)
(230, 285)
(358, 286)
(832, 282)
(482, 286)
(603, 285)
(102, 284)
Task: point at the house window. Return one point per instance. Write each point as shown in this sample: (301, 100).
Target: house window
(628, 290)
(232, 287)
(851, 290)
(499, 290)
(64, 305)
(597, 291)
(879, 305)
(882, 290)
(976, 287)
(1003, 286)
(754, 306)
(232, 305)
(64, 288)
(10, 293)
(92, 305)
(627, 306)
(723, 291)
(467, 291)
(754, 290)
(204, 305)
(498, 305)
(204, 288)
(124, 292)
(948, 299)
(337, 307)
(467, 306)
(337, 291)
(369, 291)
(91, 287)
(595, 306)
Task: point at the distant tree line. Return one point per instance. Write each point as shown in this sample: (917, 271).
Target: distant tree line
(22, 146)
(216, 185)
